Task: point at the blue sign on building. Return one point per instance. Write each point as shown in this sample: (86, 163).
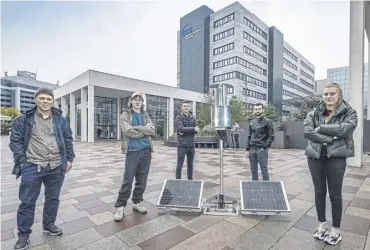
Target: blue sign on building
(186, 30)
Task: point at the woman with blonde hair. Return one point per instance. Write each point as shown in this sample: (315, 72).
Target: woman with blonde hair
(329, 130)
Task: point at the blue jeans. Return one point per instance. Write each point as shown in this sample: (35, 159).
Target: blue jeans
(258, 156)
(29, 190)
(136, 166)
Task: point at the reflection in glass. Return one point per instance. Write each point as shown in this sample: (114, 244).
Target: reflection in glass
(105, 117)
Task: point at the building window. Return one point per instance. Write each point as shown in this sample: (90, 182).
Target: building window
(255, 28)
(224, 34)
(307, 75)
(307, 84)
(307, 67)
(285, 61)
(255, 41)
(254, 54)
(290, 54)
(246, 78)
(254, 94)
(290, 74)
(224, 77)
(230, 90)
(295, 86)
(286, 113)
(224, 20)
(156, 106)
(290, 94)
(223, 49)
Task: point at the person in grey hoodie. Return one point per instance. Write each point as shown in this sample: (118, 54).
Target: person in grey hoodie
(329, 130)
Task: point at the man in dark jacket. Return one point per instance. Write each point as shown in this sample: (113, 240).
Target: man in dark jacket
(42, 146)
(186, 128)
(260, 138)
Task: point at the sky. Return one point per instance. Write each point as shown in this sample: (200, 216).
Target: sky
(138, 39)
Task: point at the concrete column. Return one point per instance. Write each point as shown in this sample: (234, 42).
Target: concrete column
(144, 101)
(356, 75)
(83, 114)
(91, 114)
(64, 107)
(194, 109)
(118, 118)
(72, 114)
(18, 98)
(170, 116)
(56, 103)
(368, 79)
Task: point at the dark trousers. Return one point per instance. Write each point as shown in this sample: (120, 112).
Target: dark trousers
(235, 139)
(181, 153)
(258, 156)
(29, 190)
(136, 166)
(331, 171)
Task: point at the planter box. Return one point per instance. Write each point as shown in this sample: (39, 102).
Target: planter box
(281, 140)
(200, 141)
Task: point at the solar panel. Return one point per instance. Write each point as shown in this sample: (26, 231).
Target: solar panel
(263, 197)
(185, 194)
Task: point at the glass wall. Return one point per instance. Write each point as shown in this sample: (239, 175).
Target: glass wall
(105, 118)
(78, 118)
(156, 106)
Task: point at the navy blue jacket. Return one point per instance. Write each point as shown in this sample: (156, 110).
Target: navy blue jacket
(21, 133)
(185, 128)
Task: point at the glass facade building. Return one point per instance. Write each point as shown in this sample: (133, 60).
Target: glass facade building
(341, 76)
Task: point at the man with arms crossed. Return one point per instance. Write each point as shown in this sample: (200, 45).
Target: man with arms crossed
(186, 127)
(137, 128)
(260, 138)
(42, 146)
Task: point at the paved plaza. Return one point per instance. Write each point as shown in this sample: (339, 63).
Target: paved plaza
(90, 189)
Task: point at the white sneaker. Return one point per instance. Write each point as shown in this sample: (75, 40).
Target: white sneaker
(321, 231)
(333, 236)
(140, 208)
(118, 216)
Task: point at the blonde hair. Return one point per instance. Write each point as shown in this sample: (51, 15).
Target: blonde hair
(340, 100)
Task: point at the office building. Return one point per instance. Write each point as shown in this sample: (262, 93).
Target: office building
(320, 85)
(194, 50)
(340, 75)
(95, 100)
(253, 58)
(19, 91)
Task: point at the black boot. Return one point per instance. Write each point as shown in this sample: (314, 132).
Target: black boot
(22, 242)
(53, 230)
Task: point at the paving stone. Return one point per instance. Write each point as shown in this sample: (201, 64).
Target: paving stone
(149, 229)
(298, 239)
(167, 239)
(214, 237)
(74, 216)
(361, 203)
(102, 218)
(200, 223)
(42, 247)
(76, 240)
(76, 226)
(6, 235)
(110, 243)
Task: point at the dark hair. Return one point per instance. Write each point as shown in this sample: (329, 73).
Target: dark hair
(183, 102)
(259, 104)
(45, 91)
(236, 121)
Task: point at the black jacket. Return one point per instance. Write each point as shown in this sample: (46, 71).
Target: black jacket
(261, 133)
(337, 134)
(185, 128)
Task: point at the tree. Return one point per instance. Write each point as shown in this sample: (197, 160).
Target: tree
(239, 111)
(11, 112)
(302, 106)
(272, 114)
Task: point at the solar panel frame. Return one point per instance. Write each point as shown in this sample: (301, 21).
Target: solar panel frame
(177, 206)
(245, 210)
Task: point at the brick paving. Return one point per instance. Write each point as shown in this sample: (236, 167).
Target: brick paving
(90, 189)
